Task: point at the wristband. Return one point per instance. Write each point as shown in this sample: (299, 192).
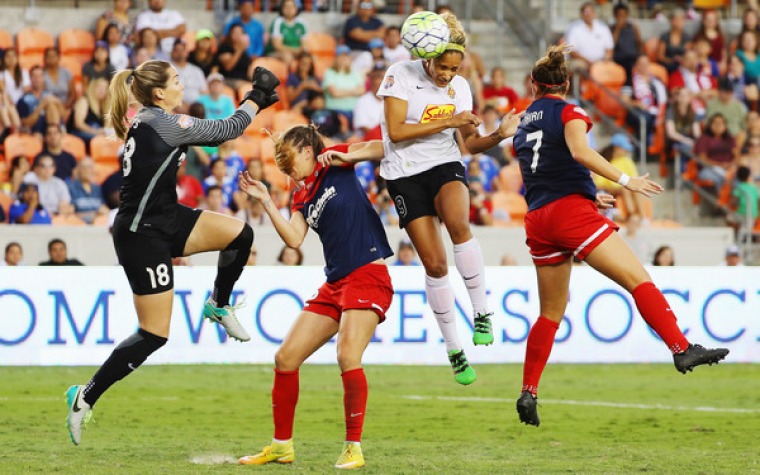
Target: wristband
(623, 180)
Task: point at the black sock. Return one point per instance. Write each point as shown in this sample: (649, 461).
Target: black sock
(130, 354)
(231, 262)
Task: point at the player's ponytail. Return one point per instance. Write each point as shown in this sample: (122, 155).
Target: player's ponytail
(457, 36)
(293, 141)
(550, 73)
(140, 82)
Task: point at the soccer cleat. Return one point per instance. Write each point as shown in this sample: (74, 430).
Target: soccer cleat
(463, 372)
(278, 453)
(351, 457)
(225, 316)
(696, 355)
(526, 408)
(483, 331)
(79, 413)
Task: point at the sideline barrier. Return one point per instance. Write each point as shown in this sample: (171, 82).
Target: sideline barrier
(76, 315)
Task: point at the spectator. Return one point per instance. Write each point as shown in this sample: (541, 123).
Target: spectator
(302, 81)
(54, 194)
(111, 189)
(327, 121)
(14, 255)
(394, 51)
(88, 119)
(27, 208)
(192, 76)
(118, 52)
(682, 128)
(368, 112)
(743, 91)
(150, 45)
(290, 256)
(119, 18)
(59, 255)
(507, 260)
(619, 155)
(215, 197)
(627, 39)
(232, 158)
(37, 108)
(20, 166)
(744, 197)
(490, 123)
(481, 207)
(16, 78)
(3, 218)
(252, 28)
(63, 160)
(342, 86)
(86, 195)
(710, 30)
(9, 119)
(483, 168)
(189, 189)
(406, 255)
(232, 58)
(99, 65)
(220, 179)
(203, 55)
(590, 38)
(749, 23)
(751, 158)
(168, 24)
(748, 53)
(286, 32)
(498, 93)
(726, 104)
(663, 256)
(252, 256)
(385, 208)
(58, 80)
(733, 257)
(366, 61)
(673, 42)
(252, 212)
(715, 151)
(647, 95)
(362, 27)
(687, 75)
(255, 168)
(216, 104)
(705, 64)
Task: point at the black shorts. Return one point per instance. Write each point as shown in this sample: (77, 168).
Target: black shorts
(414, 196)
(147, 260)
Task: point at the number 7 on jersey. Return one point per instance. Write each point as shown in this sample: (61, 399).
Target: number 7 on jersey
(538, 135)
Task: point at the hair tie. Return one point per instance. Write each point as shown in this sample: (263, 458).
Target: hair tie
(544, 84)
(131, 77)
(455, 47)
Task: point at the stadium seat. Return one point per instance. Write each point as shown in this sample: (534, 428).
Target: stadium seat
(6, 40)
(510, 178)
(283, 120)
(103, 170)
(75, 146)
(705, 4)
(322, 64)
(22, 144)
(248, 147)
(276, 177)
(277, 66)
(658, 70)
(651, 48)
(612, 77)
(4, 170)
(76, 43)
(31, 44)
(105, 149)
(75, 68)
(266, 150)
(506, 203)
(263, 120)
(319, 44)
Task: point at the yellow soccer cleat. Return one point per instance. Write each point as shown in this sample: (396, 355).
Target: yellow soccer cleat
(278, 453)
(351, 457)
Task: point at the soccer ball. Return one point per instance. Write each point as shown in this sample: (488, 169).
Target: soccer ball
(425, 35)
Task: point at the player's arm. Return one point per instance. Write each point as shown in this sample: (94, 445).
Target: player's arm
(185, 130)
(477, 143)
(399, 130)
(577, 143)
(291, 232)
(358, 152)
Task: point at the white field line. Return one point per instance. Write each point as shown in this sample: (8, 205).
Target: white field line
(570, 402)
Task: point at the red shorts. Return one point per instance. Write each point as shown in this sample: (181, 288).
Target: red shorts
(570, 226)
(368, 287)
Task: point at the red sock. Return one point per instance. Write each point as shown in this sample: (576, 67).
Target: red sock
(537, 351)
(658, 315)
(354, 402)
(284, 400)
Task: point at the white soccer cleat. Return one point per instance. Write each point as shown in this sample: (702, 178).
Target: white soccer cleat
(79, 413)
(225, 316)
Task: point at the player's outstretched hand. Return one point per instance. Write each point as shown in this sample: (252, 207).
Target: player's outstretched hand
(329, 156)
(645, 186)
(509, 123)
(464, 118)
(604, 201)
(252, 187)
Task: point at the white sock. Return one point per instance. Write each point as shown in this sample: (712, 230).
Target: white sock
(440, 297)
(354, 443)
(469, 261)
(280, 442)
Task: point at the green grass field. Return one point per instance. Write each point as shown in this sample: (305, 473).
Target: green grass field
(199, 419)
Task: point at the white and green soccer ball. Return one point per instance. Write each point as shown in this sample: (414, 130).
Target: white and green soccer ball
(425, 35)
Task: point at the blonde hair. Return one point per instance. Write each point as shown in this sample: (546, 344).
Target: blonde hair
(550, 74)
(457, 36)
(98, 106)
(145, 78)
(293, 141)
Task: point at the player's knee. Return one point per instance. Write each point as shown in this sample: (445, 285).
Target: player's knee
(348, 358)
(459, 232)
(153, 341)
(436, 269)
(285, 361)
(244, 240)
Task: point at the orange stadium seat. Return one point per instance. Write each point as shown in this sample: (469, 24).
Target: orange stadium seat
(74, 145)
(276, 177)
(322, 64)
(658, 70)
(103, 170)
(4, 170)
(283, 120)
(511, 204)
(105, 149)
(612, 76)
(319, 44)
(31, 44)
(248, 147)
(6, 40)
(651, 48)
(263, 120)
(277, 66)
(76, 43)
(510, 178)
(266, 151)
(73, 65)
(22, 144)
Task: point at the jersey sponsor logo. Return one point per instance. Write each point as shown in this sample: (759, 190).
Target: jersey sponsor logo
(316, 210)
(437, 112)
(184, 121)
(389, 81)
(452, 92)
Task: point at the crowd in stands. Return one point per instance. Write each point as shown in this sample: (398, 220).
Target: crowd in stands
(699, 92)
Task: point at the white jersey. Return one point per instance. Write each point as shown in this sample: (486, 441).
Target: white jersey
(408, 81)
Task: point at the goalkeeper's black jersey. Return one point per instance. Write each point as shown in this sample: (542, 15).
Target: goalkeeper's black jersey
(154, 149)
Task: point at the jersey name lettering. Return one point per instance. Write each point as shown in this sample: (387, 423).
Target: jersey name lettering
(437, 112)
(531, 116)
(315, 210)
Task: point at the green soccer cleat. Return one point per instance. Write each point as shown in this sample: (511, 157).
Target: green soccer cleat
(275, 453)
(351, 457)
(463, 372)
(483, 331)
(225, 316)
(79, 413)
